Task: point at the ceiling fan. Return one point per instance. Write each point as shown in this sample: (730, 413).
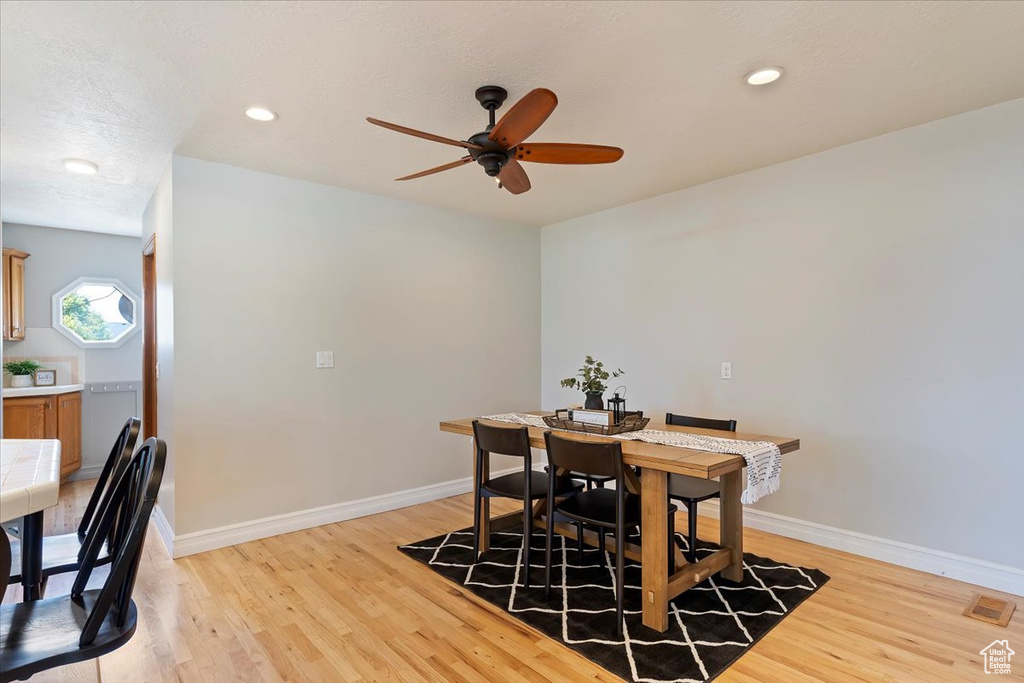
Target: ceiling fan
(501, 147)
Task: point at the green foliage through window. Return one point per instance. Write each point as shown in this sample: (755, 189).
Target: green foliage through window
(80, 318)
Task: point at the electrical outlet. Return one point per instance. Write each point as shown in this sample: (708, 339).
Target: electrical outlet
(726, 370)
(324, 359)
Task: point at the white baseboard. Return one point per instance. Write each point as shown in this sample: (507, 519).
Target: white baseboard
(91, 472)
(232, 534)
(163, 527)
(938, 562)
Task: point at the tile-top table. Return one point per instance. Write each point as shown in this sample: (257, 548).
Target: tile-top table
(29, 483)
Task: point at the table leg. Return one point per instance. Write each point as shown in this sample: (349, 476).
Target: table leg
(32, 556)
(654, 548)
(731, 523)
(485, 503)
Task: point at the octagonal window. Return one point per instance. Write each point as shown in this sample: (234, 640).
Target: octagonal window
(96, 312)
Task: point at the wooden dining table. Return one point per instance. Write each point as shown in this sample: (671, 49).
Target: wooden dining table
(29, 484)
(656, 463)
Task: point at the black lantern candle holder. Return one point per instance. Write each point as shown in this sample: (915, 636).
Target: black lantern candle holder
(617, 405)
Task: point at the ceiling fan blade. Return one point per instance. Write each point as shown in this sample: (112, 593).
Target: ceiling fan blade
(524, 117)
(567, 153)
(437, 169)
(513, 178)
(421, 134)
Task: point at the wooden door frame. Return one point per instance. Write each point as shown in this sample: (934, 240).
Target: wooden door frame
(149, 347)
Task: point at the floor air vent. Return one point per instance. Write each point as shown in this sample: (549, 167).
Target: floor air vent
(991, 610)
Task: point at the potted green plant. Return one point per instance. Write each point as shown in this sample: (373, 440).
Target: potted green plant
(21, 372)
(591, 380)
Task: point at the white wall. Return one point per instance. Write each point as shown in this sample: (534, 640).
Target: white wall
(431, 314)
(871, 301)
(158, 220)
(58, 257)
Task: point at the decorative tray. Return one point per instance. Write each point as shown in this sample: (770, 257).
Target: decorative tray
(630, 423)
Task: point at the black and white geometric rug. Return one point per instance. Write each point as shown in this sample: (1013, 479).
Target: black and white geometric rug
(710, 626)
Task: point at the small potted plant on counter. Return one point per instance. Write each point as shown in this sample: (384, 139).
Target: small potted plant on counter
(591, 381)
(21, 372)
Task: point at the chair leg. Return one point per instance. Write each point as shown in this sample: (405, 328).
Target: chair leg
(600, 536)
(579, 540)
(620, 571)
(691, 540)
(476, 527)
(527, 537)
(548, 536)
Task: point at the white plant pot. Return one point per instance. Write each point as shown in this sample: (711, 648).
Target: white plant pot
(21, 380)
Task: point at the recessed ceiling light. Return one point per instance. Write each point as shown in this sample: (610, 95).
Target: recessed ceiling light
(81, 166)
(764, 76)
(260, 114)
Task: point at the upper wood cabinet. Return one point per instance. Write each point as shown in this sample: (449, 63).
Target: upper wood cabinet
(14, 294)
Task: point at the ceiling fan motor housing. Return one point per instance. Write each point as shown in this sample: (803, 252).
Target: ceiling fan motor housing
(492, 157)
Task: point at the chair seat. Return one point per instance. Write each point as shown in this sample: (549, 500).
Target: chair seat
(691, 488)
(513, 485)
(39, 635)
(60, 554)
(597, 507)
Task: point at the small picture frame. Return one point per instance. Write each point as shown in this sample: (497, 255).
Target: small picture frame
(44, 378)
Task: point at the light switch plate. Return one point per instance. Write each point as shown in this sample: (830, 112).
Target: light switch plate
(324, 359)
(726, 370)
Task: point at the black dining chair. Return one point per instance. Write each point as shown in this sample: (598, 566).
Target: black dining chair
(43, 634)
(63, 552)
(528, 485)
(599, 482)
(690, 490)
(616, 510)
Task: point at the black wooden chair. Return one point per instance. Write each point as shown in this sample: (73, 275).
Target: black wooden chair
(616, 510)
(690, 490)
(43, 634)
(63, 552)
(527, 486)
(599, 482)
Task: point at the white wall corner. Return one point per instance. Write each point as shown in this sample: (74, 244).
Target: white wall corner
(937, 562)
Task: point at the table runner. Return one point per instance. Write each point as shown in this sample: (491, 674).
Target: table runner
(764, 460)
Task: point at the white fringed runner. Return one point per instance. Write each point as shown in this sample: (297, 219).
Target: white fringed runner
(764, 460)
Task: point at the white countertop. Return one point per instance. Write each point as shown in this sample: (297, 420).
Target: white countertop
(29, 476)
(14, 392)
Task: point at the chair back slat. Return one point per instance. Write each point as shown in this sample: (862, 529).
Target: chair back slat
(131, 504)
(514, 441)
(700, 422)
(596, 458)
(119, 455)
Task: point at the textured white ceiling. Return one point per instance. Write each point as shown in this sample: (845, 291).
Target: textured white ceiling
(127, 83)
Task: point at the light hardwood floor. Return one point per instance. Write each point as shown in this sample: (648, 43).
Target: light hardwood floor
(339, 603)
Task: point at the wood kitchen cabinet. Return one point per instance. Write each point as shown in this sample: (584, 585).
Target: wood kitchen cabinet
(48, 417)
(14, 294)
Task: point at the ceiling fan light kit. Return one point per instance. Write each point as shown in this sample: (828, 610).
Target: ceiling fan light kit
(500, 147)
